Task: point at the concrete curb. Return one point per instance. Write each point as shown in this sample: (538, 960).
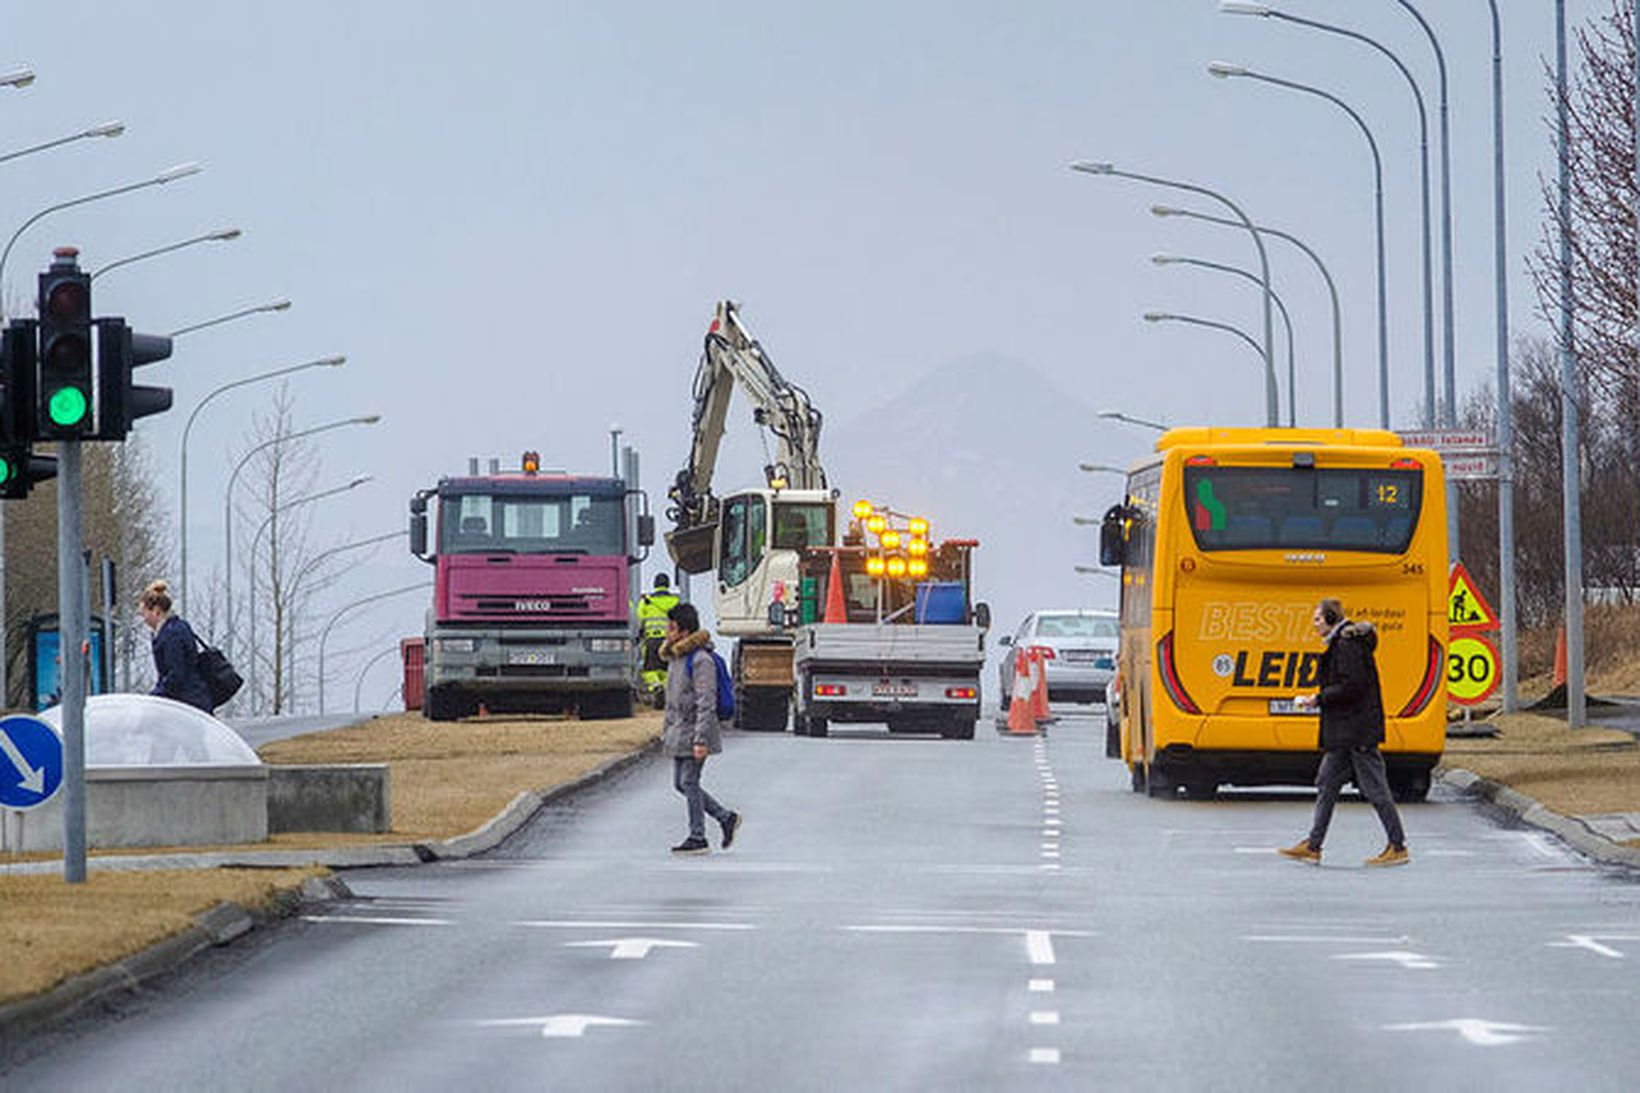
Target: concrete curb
(219, 925)
(1569, 829)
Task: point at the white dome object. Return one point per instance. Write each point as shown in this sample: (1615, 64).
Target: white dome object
(135, 730)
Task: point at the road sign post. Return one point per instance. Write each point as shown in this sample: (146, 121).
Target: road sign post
(71, 623)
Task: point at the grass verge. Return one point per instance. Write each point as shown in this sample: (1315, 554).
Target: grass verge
(1582, 773)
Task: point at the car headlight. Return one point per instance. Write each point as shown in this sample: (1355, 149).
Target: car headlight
(607, 645)
(458, 645)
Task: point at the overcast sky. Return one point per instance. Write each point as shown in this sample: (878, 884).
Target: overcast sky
(514, 218)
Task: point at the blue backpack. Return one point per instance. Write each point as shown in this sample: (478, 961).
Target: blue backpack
(725, 685)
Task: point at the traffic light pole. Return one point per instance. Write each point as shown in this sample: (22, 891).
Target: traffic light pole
(71, 623)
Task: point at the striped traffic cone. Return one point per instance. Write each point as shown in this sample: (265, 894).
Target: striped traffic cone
(1021, 714)
(1039, 686)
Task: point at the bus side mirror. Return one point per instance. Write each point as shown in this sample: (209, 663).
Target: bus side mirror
(1113, 538)
(418, 532)
(646, 530)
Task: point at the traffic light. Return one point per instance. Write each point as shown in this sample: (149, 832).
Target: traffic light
(119, 351)
(20, 468)
(66, 395)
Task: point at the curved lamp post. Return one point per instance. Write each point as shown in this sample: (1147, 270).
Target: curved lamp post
(1506, 405)
(1286, 318)
(1326, 275)
(182, 591)
(324, 637)
(221, 235)
(17, 77)
(1101, 468)
(1117, 415)
(170, 174)
(256, 542)
(281, 304)
(1272, 401)
(358, 684)
(314, 562)
(106, 129)
(1192, 320)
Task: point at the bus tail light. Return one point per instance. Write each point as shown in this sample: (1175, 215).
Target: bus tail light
(1170, 676)
(1432, 680)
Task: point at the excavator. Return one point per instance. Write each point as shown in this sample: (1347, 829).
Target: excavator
(753, 538)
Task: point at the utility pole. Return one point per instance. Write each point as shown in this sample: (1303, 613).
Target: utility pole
(1570, 386)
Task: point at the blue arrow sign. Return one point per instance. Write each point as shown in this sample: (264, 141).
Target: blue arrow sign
(31, 762)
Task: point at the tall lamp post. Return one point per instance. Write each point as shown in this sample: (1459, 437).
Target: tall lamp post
(1506, 405)
(256, 542)
(358, 683)
(1128, 419)
(1272, 401)
(106, 129)
(1326, 276)
(1571, 481)
(1192, 320)
(1233, 7)
(324, 636)
(1286, 318)
(182, 491)
(1227, 71)
(281, 304)
(317, 560)
(17, 77)
(221, 235)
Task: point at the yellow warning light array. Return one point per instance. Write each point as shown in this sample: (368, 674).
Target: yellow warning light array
(917, 547)
(896, 567)
(917, 567)
(876, 524)
(874, 565)
(891, 540)
(918, 527)
(862, 510)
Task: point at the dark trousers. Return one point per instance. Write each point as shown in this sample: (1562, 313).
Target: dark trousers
(1365, 767)
(686, 780)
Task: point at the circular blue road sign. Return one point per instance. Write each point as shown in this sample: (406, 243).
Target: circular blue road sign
(31, 762)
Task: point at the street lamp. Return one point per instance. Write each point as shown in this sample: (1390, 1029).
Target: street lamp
(1272, 399)
(1233, 7)
(1326, 275)
(358, 684)
(1227, 71)
(182, 590)
(1170, 317)
(1506, 406)
(17, 77)
(1095, 571)
(315, 561)
(281, 304)
(1098, 468)
(170, 174)
(1117, 415)
(221, 235)
(256, 542)
(324, 637)
(1286, 318)
(1571, 479)
(106, 129)
(233, 478)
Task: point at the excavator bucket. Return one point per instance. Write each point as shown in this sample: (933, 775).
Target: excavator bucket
(692, 548)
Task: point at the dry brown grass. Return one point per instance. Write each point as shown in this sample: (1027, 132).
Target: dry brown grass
(1611, 645)
(51, 931)
(446, 779)
(1587, 772)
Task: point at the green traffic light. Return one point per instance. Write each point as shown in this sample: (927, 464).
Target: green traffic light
(68, 406)
(8, 471)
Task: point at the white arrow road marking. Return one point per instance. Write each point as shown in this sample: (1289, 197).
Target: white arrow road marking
(32, 780)
(371, 920)
(1476, 1031)
(1041, 986)
(1049, 1055)
(560, 1024)
(631, 948)
(1044, 1017)
(1401, 957)
(570, 924)
(1592, 943)
(1303, 939)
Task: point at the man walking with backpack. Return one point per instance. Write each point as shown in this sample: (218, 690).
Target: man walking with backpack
(692, 731)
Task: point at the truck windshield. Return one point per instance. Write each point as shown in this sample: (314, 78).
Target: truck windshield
(798, 525)
(578, 523)
(1260, 508)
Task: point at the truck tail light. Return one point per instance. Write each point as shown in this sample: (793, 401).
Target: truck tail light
(1432, 677)
(1170, 675)
(962, 692)
(829, 690)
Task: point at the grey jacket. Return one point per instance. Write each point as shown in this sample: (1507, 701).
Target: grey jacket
(691, 697)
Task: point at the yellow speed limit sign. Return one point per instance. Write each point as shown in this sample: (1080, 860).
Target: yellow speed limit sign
(1471, 669)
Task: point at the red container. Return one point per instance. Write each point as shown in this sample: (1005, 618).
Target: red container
(412, 654)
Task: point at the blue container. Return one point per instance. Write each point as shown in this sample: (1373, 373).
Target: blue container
(941, 603)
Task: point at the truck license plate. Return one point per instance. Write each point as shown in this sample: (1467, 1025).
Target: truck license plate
(530, 656)
(1283, 707)
(887, 689)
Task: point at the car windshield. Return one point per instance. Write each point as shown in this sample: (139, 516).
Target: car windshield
(1075, 626)
(576, 523)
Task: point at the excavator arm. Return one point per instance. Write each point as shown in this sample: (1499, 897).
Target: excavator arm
(732, 358)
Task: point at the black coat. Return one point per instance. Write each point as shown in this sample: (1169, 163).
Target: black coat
(176, 663)
(1351, 700)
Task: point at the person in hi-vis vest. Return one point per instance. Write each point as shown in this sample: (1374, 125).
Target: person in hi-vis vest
(652, 609)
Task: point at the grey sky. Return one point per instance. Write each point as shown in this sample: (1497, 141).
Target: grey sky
(515, 217)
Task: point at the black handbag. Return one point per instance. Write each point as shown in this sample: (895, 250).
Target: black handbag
(221, 678)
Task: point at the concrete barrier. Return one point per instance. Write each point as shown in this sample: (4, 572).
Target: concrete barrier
(195, 805)
(338, 797)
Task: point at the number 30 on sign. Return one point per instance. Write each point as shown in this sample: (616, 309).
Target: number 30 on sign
(1471, 669)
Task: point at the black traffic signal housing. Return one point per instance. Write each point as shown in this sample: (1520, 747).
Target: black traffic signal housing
(121, 402)
(20, 468)
(65, 397)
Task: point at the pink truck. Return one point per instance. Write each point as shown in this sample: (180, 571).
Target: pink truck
(533, 599)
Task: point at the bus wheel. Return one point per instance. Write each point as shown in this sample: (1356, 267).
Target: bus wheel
(1409, 786)
(1159, 785)
(1201, 789)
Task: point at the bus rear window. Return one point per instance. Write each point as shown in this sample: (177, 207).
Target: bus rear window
(1281, 508)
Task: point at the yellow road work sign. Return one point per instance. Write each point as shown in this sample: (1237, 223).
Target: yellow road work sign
(1471, 669)
(1466, 608)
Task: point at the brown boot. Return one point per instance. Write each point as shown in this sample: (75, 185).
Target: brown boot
(1390, 855)
(1301, 851)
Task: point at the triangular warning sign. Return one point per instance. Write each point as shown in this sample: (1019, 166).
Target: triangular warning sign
(1466, 608)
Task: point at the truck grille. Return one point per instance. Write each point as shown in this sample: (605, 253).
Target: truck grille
(568, 604)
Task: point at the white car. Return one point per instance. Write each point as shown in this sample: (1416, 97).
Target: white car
(1078, 649)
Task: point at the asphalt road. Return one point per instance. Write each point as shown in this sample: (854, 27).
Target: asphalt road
(916, 914)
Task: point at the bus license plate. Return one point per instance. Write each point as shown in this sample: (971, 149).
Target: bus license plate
(531, 656)
(886, 689)
(1284, 707)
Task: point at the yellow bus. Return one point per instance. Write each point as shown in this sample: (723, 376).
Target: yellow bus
(1226, 539)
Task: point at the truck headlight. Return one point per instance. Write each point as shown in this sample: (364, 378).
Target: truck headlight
(458, 645)
(607, 645)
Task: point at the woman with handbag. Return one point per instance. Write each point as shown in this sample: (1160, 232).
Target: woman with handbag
(176, 650)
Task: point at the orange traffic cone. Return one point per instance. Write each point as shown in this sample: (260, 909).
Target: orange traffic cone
(1560, 657)
(1021, 716)
(1039, 686)
(836, 606)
